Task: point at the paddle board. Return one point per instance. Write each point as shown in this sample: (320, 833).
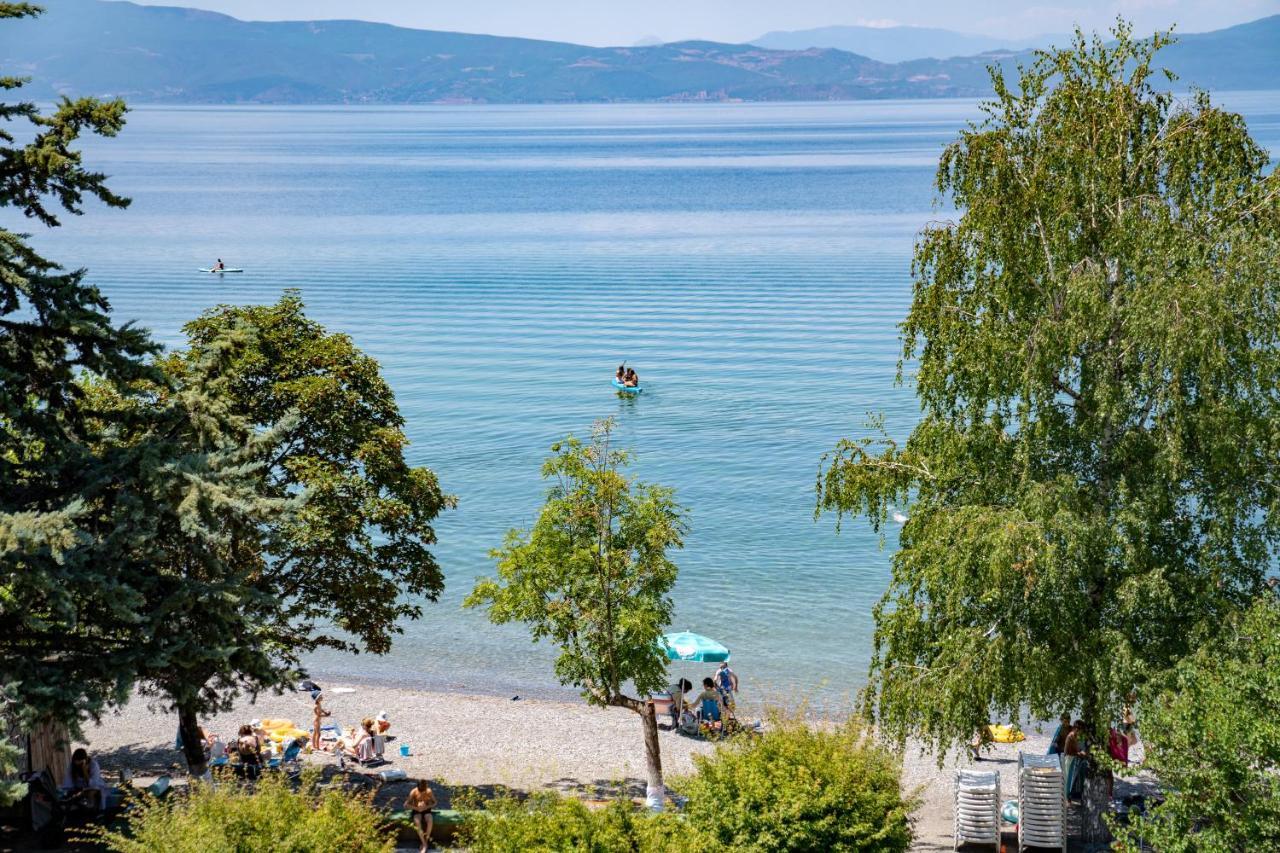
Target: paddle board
(625, 389)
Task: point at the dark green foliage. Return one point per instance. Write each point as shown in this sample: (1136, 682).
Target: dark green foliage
(356, 554)
(271, 816)
(797, 789)
(1092, 484)
(1212, 737)
(318, 519)
(65, 603)
(198, 506)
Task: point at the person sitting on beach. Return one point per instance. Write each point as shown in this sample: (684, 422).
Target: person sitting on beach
(421, 804)
(319, 713)
(216, 749)
(632, 379)
(84, 779)
(678, 703)
(382, 723)
(708, 702)
(250, 750)
(360, 744)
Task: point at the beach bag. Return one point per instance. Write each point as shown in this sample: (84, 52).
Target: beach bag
(689, 724)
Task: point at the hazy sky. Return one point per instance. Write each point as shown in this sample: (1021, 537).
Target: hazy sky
(623, 22)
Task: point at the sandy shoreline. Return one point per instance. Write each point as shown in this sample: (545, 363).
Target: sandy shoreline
(530, 744)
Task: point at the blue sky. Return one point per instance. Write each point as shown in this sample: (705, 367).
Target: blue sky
(623, 22)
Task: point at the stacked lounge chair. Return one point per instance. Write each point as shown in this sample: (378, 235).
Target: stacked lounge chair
(1042, 806)
(977, 807)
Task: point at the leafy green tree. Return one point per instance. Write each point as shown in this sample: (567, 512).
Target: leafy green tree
(200, 519)
(352, 549)
(1092, 483)
(65, 606)
(356, 555)
(1212, 738)
(593, 577)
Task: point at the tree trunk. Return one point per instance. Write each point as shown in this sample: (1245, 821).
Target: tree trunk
(1094, 833)
(192, 743)
(655, 793)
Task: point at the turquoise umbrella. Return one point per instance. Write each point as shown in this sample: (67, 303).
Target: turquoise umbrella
(689, 646)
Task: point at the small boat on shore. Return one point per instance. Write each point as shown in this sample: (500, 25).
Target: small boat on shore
(627, 389)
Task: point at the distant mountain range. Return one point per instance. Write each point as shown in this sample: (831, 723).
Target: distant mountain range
(154, 54)
(900, 44)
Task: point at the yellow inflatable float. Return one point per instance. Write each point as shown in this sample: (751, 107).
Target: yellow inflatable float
(1006, 734)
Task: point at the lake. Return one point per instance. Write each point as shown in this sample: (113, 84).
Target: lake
(751, 261)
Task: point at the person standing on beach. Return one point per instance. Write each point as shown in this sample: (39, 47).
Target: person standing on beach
(421, 804)
(320, 714)
(727, 681)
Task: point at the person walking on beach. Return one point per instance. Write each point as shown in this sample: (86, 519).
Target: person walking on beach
(320, 714)
(421, 804)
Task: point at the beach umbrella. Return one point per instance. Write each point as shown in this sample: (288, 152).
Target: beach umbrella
(689, 646)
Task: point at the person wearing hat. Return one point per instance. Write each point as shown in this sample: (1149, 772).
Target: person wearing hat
(382, 722)
(320, 714)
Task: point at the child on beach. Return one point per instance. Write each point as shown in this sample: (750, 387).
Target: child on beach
(421, 804)
(320, 714)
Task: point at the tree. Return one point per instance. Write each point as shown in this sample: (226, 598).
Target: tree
(65, 607)
(593, 577)
(356, 555)
(324, 435)
(1092, 483)
(1213, 741)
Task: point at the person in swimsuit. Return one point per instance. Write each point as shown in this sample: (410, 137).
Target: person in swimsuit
(621, 376)
(219, 265)
(421, 804)
(633, 378)
(320, 713)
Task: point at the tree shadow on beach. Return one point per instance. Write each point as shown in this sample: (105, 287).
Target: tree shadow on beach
(598, 789)
(142, 759)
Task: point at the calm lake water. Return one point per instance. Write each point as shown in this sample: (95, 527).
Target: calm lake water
(751, 261)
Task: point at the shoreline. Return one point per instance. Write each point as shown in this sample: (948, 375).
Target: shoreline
(486, 742)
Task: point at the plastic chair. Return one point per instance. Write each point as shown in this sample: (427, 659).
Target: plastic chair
(977, 808)
(1042, 806)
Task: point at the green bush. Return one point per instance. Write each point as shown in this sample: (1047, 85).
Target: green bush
(549, 822)
(799, 789)
(1212, 738)
(271, 816)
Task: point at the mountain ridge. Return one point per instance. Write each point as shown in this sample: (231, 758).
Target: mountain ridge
(168, 54)
(899, 43)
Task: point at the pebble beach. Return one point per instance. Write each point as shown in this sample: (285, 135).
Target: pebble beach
(525, 744)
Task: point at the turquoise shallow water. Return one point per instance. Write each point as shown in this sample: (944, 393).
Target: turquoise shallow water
(751, 261)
